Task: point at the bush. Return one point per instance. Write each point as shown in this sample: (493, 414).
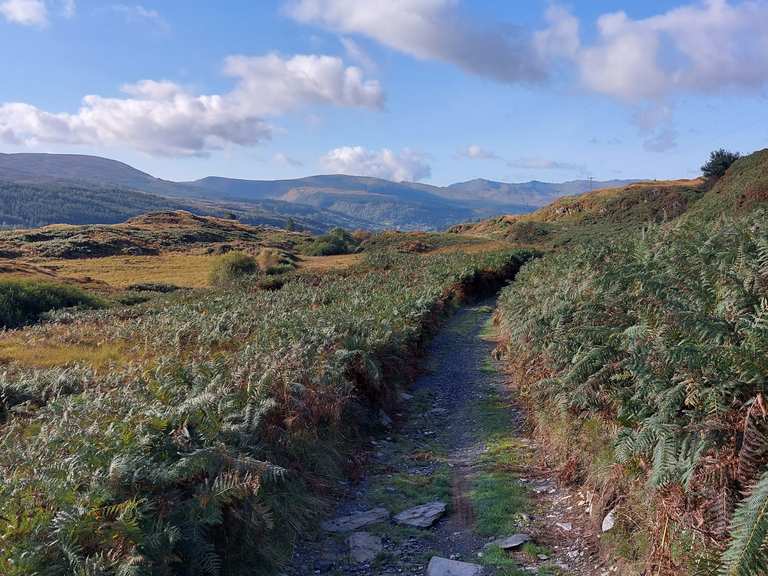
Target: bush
(718, 163)
(272, 262)
(24, 301)
(337, 241)
(231, 268)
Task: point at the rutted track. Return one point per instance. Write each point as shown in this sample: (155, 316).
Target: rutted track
(435, 436)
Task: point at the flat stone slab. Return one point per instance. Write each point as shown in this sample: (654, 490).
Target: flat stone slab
(364, 547)
(356, 521)
(510, 542)
(445, 567)
(421, 516)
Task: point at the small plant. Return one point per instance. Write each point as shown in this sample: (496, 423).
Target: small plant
(232, 268)
(718, 163)
(25, 301)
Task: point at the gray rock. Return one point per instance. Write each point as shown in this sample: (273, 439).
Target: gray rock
(510, 542)
(386, 421)
(421, 516)
(609, 521)
(444, 567)
(364, 547)
(356, 521)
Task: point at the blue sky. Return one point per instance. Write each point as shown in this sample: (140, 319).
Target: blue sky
(432, 90)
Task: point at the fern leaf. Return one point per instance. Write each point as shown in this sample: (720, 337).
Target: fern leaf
(746, 554)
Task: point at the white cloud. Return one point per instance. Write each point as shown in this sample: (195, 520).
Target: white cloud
(701, 47)
(138, 13)
(430, 30)
(476, 152)
(25, 12)
(356, 53)
(358, 161)
(561, 37)
(547, 165)
(281, 158)
(663, 140)
(166, 119)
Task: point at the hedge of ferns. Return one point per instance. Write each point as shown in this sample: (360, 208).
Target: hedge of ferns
(212, 443)
(665, 335)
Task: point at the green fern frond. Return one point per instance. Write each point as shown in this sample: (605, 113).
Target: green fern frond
(746, 554)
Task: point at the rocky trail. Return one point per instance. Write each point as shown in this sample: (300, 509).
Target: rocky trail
(451, 489)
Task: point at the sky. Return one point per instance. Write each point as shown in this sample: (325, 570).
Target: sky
(437, 91)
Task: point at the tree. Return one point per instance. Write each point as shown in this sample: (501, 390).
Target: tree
(718, 164)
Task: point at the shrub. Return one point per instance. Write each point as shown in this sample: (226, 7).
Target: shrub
(337, 241)
(24, 301)
(231, 268)
(273, 262)
(718, 163)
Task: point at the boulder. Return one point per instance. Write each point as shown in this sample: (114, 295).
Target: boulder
(356, 521)
(364, 547)
(445, 567)
(421, 516)
(510, 542)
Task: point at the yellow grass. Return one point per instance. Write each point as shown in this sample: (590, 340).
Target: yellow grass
(49, 354)
(181, 269)
(184, 269)
(320, 263)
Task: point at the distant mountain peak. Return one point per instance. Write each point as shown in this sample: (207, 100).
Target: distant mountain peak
(364, 199)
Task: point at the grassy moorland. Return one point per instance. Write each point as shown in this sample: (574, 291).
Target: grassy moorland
(643, 359)
(198, 432)
(596, 215)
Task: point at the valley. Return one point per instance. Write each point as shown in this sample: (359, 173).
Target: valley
(383, 288)
(103, 191)
(190, 390)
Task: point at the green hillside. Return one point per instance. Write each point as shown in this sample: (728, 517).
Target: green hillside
(643, 360)
(594, 215)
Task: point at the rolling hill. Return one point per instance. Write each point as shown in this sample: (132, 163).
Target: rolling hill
(596, 214)
(320, 202)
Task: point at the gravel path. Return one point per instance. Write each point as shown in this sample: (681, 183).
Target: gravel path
(433, 453)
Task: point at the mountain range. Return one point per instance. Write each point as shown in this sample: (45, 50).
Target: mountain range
(38, 189)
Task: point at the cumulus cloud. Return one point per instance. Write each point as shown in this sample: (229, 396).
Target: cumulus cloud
(701, 47)
(561, 37)
(431, 30)
(163, 118)
(25, 12)
(359, 161)
(477, 152)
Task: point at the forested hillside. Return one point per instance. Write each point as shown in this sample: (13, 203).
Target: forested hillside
(322, 201)
(31, 205)
(643, 359)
